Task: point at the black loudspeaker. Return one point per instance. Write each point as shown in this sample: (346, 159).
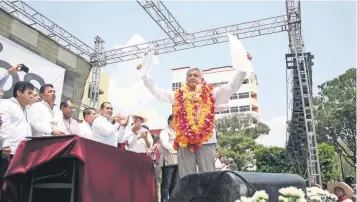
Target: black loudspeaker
(228, 186)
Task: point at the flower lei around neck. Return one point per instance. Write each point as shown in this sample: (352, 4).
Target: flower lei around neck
(194, 116)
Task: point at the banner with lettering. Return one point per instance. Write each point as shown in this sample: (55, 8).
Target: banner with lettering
(41, 70)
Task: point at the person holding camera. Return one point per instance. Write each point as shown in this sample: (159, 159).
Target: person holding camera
(5, 77)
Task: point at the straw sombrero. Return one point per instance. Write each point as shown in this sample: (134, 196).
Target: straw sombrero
(141, 115)
(348, 190)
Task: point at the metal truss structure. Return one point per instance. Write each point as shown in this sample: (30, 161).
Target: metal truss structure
(202, 38)
(178, 39)
(302, 145)
(98, 61)
(162, 16)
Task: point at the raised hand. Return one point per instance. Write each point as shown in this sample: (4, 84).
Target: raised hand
(143, 135)
(124, 120)
(14, 69)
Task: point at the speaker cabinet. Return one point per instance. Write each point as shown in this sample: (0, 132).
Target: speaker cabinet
(228, 186)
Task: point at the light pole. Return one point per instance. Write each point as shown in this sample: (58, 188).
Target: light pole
(339, 152)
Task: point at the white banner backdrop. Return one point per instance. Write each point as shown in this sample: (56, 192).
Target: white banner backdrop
(41, 70)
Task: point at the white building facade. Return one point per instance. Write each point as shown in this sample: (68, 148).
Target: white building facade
(243, 101)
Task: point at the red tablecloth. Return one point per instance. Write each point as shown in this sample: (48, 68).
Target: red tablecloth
(107, 174)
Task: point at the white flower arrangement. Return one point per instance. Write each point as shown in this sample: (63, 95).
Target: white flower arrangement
(317, 194)
(259, 196)
(293, 194)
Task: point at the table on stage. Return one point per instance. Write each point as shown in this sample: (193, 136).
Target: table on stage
(104, 173)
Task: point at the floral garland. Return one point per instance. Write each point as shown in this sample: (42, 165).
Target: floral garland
(194, 116)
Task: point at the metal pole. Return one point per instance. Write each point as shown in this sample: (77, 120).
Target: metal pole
(343, 175)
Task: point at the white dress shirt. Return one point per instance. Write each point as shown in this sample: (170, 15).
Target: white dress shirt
(241, 65)
(222, 93)
(69, 126)
(3, 79)
(43, 119)
(15, 126)
(135, 144)
(105, 132)
(85, 130)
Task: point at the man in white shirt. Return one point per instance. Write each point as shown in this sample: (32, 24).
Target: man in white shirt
(67, 124)
(103, 130)
(15, 119)
(44, 116)
(85, 129)
(203, 159)
(139, 138)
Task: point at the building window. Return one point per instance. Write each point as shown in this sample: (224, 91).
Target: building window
(246, 81)
(219, 84)
(234, 109)
(222, 83)
(243, 95)
(176, 86)
(225, 111)
(244, 108)
(216, 112)
(215, 84)
(234, 96)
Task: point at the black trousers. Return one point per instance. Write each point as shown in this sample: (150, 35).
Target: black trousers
(4, 165)
(170, 178)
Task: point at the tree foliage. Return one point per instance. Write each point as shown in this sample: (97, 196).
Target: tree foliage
(236, 137)
(273, 160)
(335, 114)
(328, 162)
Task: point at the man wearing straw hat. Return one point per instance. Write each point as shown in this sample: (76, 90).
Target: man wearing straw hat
(139, 138)
(341, 190)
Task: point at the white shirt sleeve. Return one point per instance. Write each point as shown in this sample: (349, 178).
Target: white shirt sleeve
(105, 127)
(3, 79)
(5, 127)
(242, 66)
(37, 120)
(121, 134)
(81, 130)
(156, 91)
(151, 141)
(164, 139)
(223, 93)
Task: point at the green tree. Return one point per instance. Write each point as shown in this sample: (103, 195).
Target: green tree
(273, 160)
(327, 157)
(335, 114)
(236, 137)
